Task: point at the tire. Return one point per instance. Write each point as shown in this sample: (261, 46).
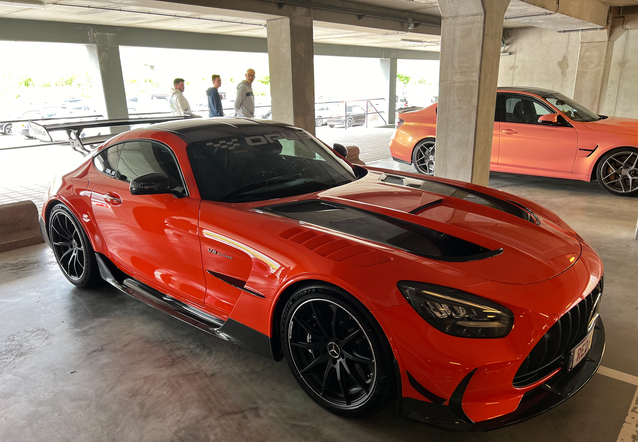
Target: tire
(331, 125)
(72, 249)
(335, 354)
(617, 171)
(318, 122)
(423, 156)
(349, 122)
(8, 129)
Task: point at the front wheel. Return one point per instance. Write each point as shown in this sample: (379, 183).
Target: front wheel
(350, 122)
(72, 249)
(318, 121)
(335, 354)
(617, 172)
(8, 128)
(423, 156)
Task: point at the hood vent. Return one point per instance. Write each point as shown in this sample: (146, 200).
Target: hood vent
(462, 193)
(382, 229)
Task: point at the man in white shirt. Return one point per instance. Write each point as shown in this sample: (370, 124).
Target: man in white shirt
(179, 103)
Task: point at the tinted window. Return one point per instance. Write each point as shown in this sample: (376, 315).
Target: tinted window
(264, 166)
(140, 158)
(106, 161)
(522, 109)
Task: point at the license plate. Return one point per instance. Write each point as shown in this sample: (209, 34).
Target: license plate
(580, 351)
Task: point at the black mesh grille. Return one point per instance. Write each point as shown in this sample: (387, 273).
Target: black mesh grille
(549, 353)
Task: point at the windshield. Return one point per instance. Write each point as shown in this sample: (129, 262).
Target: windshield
(571, 109)
(255, 167)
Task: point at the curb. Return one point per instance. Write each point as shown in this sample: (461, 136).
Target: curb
(19, 226)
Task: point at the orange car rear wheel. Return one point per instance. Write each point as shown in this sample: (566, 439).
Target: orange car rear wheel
(72, 249)
(423, 156)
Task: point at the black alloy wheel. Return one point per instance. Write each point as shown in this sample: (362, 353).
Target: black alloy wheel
(72, 249)
(617, 172)
(423, 156)
(335, 355)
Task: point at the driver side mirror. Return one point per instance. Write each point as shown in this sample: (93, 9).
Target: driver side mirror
(150, 184)
(548, 119)
(340, 149)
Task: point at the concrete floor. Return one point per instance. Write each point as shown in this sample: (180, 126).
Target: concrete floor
(97, 365)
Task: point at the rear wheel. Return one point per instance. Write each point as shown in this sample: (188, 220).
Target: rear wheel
(617, 172)
(335, 354)
(8, 129)
(72, 249)
(423, 156)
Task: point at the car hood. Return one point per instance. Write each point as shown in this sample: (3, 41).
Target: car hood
(494, 238)
(627, 126)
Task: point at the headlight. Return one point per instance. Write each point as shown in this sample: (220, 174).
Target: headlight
(457, 313)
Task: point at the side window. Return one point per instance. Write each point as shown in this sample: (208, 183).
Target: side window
(521, 109)
(139, 158)
(106, 161)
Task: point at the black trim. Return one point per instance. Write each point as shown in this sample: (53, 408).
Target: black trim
(425, 206)
(382, 229)
(591, 151)
(402, 161)
(229, 330)
(237, 283)
(424, 391)
(246, 337)
(456, 400)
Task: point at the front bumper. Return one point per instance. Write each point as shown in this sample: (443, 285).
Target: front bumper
(552, 393)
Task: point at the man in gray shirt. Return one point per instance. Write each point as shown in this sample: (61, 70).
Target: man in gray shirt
(245, 100)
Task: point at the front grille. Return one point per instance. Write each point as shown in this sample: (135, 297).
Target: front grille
(549, 353)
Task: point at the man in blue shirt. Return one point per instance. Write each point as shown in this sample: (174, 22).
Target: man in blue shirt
(214, 101)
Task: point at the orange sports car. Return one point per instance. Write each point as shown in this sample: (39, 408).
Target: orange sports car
(538, 132)
(477, 308)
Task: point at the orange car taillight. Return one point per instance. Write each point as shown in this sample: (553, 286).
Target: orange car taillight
(399, 123)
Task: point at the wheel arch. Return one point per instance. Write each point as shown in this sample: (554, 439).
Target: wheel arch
(425, 138)
(347, 297)
(594, 171)
(48, 208)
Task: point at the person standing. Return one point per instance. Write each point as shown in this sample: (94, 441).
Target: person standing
(214, 101)
(179, 103)
(245, 100)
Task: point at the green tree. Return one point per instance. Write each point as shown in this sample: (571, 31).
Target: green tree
(405, 79)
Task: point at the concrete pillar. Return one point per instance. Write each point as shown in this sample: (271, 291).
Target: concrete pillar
(104, 55)
(614, 66)
(291, 63)
(471, 33)
(389, 70)
(592, 57)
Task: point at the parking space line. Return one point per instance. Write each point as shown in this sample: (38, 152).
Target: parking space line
(629, 430)
(619, 375)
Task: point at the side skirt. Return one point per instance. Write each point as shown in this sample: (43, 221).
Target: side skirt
(229, 330)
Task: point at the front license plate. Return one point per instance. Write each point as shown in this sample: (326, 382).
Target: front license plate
(580, 351)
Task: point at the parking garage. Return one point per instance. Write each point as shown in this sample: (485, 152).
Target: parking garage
(79, 364)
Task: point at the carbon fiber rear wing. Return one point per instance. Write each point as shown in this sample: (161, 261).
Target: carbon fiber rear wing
(74, 130)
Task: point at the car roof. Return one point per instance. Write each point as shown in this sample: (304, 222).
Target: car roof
(532, 90)
(194, 130)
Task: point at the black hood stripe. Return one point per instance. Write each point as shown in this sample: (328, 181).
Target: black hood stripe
(371, 226)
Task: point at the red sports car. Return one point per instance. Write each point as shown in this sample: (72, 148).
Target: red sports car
(538, 132)
(477, 308)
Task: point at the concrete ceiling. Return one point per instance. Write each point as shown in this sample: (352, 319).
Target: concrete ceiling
(249, 17)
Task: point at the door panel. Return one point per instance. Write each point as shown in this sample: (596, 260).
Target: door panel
(152, 237)
(535, 146)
